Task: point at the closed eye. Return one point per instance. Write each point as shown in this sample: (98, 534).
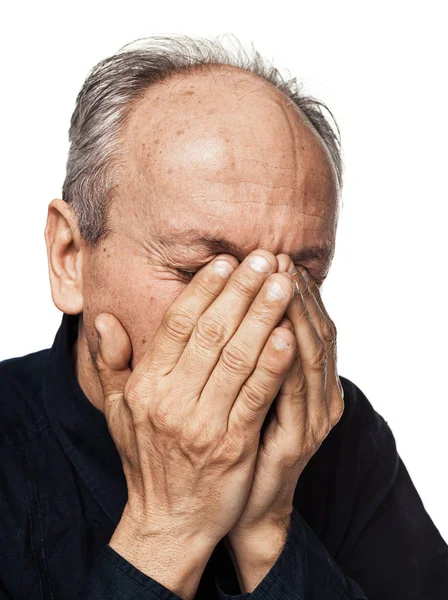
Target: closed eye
(188, 275)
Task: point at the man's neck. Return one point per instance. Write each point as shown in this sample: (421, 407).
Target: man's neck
(85, 370)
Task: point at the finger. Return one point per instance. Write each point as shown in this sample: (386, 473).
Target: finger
(314, 289)
(292, 400)
(284, 263)
(312, 353)
(310, 292)
(258, 392)
(179, 320)
(285, 322)
(239, 357)
(319, 317)
(327, 332)
(112, 358)
(216, 326)
(289, 425)
(291, 406)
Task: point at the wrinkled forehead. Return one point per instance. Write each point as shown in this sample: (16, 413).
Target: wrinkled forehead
(226, 146)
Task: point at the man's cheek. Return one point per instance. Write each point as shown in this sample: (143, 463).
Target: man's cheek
(147, 309)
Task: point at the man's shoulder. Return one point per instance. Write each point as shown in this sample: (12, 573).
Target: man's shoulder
(358, 408)
(360, 422)
(357, 405)
(21, 388)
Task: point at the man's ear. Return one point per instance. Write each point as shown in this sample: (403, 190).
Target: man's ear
(65, 255)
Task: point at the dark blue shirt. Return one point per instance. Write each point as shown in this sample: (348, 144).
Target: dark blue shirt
(359, 529)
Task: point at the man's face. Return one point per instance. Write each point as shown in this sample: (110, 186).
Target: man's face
(220, 156)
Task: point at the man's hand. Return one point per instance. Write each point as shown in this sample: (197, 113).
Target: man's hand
(309, 404)
(186, 421)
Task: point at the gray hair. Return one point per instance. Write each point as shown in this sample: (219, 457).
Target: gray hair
(113, 87)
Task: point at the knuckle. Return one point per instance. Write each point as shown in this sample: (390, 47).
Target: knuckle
(209, 332)
(164, 419)
(235, 358)
(263, 314)
(161, 418)
(178, 324)
(243, 287)
(298, 387)
(319, 360)
(254, 396)
(272, 366)
(132, 397)
(328, 331)
(197, 436)
(316, 437)
(204, 285)
(231, 450)
(135, 400)
(334, 328)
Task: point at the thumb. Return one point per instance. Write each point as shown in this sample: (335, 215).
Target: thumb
(114, 354)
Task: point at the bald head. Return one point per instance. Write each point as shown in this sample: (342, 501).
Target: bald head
(230, 139)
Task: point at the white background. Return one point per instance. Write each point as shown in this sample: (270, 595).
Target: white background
(381, 68)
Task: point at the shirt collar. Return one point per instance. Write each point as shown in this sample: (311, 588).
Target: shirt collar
(80, 427)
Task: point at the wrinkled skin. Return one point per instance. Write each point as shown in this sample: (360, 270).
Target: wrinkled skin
(221, 152)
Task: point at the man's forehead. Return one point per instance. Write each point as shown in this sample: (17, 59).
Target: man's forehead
(233, 167)
(214, 127)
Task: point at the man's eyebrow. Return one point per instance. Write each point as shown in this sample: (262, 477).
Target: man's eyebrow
(217, 245)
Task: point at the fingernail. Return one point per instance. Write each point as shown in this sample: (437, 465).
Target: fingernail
(223, 267)
(260, 263)
(280, 344)
(276, 291)
(296, 288)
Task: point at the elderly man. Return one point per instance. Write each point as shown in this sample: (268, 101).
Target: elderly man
(187, 435)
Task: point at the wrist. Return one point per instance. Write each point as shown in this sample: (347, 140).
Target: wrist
(251, 565)
(145, 528)
(254, 555)
(160, 554)
(257, 546)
